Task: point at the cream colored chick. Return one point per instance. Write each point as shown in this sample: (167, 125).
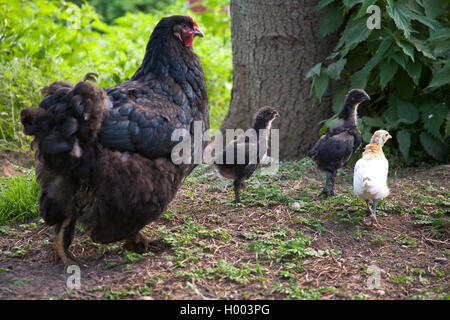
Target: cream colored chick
(370, 173)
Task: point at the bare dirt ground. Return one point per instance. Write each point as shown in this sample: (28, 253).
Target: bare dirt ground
(282, 243)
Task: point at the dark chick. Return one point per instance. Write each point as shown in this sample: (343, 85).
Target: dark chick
(240, 169)
(334, 149)
(103, 157)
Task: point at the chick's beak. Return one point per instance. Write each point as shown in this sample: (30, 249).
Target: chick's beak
(198, 32)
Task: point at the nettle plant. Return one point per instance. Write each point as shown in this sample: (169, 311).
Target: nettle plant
(403, 63)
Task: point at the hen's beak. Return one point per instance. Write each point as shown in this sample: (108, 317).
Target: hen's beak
(366, 97)
(198, 32)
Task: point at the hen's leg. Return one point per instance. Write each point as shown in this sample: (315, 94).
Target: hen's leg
(137, 243)
(63, 238)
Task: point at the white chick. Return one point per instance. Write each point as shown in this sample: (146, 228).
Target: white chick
(370, 173)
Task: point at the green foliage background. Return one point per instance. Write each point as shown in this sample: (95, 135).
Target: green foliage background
(44, 41)
(404, 66)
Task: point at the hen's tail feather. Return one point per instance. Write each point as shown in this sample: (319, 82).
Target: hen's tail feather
(66, 125)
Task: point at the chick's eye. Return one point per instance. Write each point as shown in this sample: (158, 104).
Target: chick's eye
(184, 25)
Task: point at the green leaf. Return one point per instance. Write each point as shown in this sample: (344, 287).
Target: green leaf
(441, 77)
(374, 122)
(322, 4)
(434, 147)
(334, 70)
(314, 71)
(330, 21)
(400, 15)
(434, 8)
(407, 48)
(407, 112)
(362, 11)
(433, 116)
(350, 3)
(423, 47)
(338, 99)
(387, 72)
(320, 84)
(404, 143)
(414, 70)
(355, 32)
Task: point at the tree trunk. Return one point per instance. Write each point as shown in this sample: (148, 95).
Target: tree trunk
(275, 42)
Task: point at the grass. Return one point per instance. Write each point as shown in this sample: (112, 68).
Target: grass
(207, 247)
(19, 198)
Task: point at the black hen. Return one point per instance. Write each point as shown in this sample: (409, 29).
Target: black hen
(334, 149)
(240, 169)
(103, 158)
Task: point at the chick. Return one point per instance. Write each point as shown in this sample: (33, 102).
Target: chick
(370, 173)
(334, 149)
(241, 168)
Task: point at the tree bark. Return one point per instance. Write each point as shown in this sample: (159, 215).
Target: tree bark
(275, 42)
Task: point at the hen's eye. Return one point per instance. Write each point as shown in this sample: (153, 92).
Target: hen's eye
(184, 25)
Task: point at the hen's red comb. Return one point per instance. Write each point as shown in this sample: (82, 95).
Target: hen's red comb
(195, 23)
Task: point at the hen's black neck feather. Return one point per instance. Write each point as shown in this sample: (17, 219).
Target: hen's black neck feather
(166, 56)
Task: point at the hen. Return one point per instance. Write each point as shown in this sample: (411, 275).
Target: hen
(370, 173)
(103, 157)
(334, 149)
(252, 151)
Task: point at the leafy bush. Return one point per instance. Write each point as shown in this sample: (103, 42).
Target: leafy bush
(45, 41)
(112, 9)
(404, 66)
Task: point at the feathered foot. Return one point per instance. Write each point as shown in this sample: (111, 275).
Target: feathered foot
(137, 243)
(63, 239)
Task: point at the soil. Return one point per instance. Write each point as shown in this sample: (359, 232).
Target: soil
(410, 259)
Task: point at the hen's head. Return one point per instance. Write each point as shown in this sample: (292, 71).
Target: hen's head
(380, 137)
(356, 96)
(183, 28)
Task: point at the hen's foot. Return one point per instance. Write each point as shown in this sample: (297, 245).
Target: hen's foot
(138, 244)
(62, 241)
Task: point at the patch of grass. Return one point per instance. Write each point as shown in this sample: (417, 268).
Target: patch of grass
(439, 222)
(243, 273)
(187, 240)
(116, 294)
(407, 241)
(19, 282)
(19, 252)
(378, 239)
(399, 279)
(310, 221)
(292, 290)
(19, 198)
(280, 248)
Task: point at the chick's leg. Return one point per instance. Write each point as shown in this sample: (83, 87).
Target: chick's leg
(237, 187)
(374, 217)
(328, 189)
(63, 238)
